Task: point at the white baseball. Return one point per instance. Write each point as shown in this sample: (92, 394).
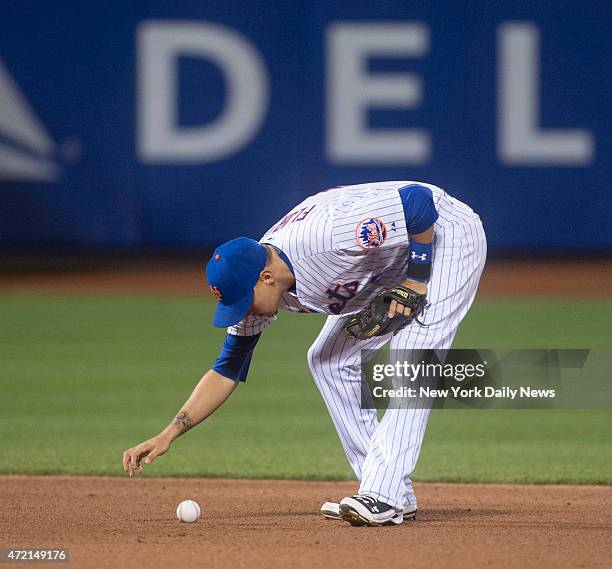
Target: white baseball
(188, 511)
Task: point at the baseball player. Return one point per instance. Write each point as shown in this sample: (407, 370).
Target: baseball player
(374, 257)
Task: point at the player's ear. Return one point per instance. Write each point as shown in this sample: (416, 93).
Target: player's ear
(267, 277)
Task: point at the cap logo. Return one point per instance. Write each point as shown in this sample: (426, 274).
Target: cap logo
(216, 292)
(371, 233)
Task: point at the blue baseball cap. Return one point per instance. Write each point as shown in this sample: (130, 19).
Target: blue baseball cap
(232, 274)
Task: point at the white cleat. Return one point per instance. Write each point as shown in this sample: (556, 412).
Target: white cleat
(364, 510)
(331, 511)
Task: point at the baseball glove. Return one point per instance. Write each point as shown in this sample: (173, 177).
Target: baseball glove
(374, 319)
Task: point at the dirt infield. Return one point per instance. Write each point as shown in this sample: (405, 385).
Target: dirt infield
(117, 522)
(500, 278)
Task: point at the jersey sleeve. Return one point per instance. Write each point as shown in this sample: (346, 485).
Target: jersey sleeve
(235, 357)
(419, 210)
(251, 325)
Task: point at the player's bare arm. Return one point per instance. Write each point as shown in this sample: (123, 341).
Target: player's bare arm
(209, 394)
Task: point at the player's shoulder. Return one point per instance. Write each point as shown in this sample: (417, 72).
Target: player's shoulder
(372, 216)
(365, 194)
(304, 230)
(323, 220)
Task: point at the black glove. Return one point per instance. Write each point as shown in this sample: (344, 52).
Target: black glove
(374, 319)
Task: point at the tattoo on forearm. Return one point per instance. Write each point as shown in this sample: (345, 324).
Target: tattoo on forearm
(183, 422)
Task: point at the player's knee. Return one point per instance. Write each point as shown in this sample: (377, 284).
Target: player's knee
(320, 362)
(326, 367)
(314, 357)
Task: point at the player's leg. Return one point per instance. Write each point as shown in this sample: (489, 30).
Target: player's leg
(335, 364)
(458, 262)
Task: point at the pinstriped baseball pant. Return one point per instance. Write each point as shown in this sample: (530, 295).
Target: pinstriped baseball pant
(384, 453)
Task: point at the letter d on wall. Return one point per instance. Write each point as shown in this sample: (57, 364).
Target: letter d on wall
(160, 138)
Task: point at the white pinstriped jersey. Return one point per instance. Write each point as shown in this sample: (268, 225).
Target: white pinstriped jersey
(346, 245)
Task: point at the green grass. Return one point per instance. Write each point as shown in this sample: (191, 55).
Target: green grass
(81, 379)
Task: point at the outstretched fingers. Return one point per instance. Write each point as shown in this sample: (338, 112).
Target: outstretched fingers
(131, 460)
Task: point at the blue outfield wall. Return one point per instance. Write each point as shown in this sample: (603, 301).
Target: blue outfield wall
(183, 124)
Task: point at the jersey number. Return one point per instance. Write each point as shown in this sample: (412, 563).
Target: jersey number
(341, 293)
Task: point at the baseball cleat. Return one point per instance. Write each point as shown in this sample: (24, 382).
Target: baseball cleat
(331, 511)
(410, 512)
(363, 510)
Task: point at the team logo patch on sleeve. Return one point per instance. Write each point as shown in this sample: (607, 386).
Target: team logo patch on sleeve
(371, 233)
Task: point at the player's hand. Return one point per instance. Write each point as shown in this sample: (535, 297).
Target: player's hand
(146, 451)
(397, 308)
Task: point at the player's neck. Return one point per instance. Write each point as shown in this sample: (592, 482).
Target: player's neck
(283, 275)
